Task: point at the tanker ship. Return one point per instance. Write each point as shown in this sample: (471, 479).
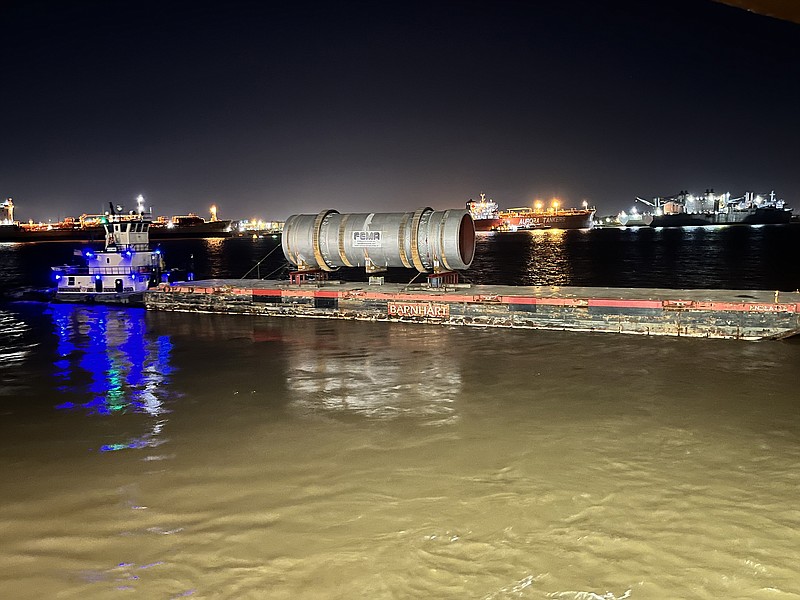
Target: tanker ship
(488, 217)
(685, 209)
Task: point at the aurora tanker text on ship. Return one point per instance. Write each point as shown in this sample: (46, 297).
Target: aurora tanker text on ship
(487, 217)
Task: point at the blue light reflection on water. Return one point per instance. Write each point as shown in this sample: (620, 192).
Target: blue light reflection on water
(105, 355)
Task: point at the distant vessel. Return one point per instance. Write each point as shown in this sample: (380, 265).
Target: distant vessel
(685, 209)
(121, 272)
(634, 218)
(68, 229)
(487, 216)
(189, 226)
(89, 227)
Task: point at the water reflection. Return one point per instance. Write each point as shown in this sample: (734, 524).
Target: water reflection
(14, 349)
(214, 248)
(378, 372)
(548, 262)
(105, 355)
(537, 257)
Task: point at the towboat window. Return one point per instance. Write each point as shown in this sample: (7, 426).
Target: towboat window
(70, 281)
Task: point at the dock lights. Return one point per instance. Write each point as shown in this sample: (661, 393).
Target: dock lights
(128, 253)
(88, 254)
(97, 277)
(57, 276)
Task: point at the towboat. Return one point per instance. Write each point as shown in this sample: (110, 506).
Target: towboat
(121, 272)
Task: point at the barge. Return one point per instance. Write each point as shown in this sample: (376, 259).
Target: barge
(439, 244)
(727, 314)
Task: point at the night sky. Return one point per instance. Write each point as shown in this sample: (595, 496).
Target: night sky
(268, 109)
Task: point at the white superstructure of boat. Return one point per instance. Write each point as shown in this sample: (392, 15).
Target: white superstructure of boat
(122, 271)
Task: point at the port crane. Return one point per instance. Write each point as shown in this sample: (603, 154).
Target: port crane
(653, 204)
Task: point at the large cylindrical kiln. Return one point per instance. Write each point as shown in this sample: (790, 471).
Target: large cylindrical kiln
(426, 240)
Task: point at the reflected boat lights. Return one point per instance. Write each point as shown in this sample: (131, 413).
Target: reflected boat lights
(127, 368)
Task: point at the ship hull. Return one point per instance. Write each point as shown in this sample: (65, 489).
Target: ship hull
(755, 216)
(125, 298)
(200, 230)
(15, 233)
(528, 221)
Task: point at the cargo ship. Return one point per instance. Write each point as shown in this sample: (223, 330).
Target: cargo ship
(687, 210)
(90, 227)
(189, 226)
(68, 229)
(488, 217)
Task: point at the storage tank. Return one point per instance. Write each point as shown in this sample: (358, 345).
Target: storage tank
(426, 240)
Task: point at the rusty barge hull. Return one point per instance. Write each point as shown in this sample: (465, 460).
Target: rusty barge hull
(728, 314)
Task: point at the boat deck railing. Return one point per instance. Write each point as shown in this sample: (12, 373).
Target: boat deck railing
(126, 270)
(134, 247)
(545, 212)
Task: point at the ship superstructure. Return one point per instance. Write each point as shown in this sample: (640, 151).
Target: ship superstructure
(7, 212)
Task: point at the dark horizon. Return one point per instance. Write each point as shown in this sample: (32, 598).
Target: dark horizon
(268, 110)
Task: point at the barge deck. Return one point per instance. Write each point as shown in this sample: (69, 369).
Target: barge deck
(731, 314)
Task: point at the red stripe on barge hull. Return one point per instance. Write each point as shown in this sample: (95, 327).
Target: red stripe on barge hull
(612, 303)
